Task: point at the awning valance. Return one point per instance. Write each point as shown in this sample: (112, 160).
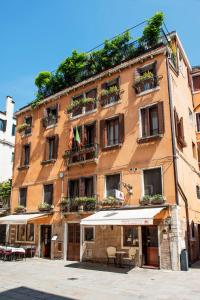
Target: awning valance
(141, 216)
(20, 219)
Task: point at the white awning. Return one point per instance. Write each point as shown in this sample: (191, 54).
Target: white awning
(20, 219)
(140, 216)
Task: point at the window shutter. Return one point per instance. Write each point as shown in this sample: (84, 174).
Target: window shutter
(82, 187)
(91, 94)
(176, 123)
(198, 121)
(104, 86)
(46, 150)
(196, 83)
(102, 133)
(160, 118)
(121, 128)
(181, 129)
(22, 156)
(55, 149)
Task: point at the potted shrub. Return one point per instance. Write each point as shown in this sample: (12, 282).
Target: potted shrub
(20, 209)
(157, 199)
(110, 95)
(64, 204)
(77, 105)
(43, 206)
(145, 82)
(111, 202)
(22, 127)
(146, 200)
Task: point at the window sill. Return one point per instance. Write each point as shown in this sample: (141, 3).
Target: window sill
(46, 162)
(51, 126)
(23, 168)
(113, 147)
(148, 91)
(111, 104)
(26, 135)
(149, 138)
(83, 114)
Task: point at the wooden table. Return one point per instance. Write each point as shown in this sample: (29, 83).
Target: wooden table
(120, 255)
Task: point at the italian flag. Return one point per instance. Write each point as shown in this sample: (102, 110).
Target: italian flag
(77, 137)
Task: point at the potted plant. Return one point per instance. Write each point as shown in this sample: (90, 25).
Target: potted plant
(64, 204)
(43, 206)
(20, 209)
(157, 199)
(110, 95)
(146, 200)
(22, 127)
(111, 202)
(77, 105)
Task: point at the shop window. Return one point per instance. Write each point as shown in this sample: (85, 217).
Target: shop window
(196, 83)
(23, 196)
(130, 236)
(152, 181)
(112, 132)
(112, 184)
(152, 120)
(25, 233)
(198, 121)
(89, 234)
(3, 125)
(48, 194)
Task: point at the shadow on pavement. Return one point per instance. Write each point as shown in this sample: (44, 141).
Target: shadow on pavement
(24, 293)
(98, 267)
(196, 265)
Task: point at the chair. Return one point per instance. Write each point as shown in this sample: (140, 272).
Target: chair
(111, 254)
(131, 257)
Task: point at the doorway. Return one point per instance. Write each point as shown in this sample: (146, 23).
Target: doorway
(73, 246)
(150, 246)
(2, 234)
(46, 241)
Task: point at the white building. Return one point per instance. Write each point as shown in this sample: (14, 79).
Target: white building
(7, 140)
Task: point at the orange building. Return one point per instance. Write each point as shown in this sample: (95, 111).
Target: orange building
(118, 170)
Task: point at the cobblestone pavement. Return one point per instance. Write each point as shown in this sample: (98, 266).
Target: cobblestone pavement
(37, 279)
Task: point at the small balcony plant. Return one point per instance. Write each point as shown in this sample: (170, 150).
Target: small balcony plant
(111, 202)
(145, 200)
(152, 200)
(79, 104)
(64, 204)
(22, 128)
(20, 209)
(86, 203)
(43, 206)
(110, 95)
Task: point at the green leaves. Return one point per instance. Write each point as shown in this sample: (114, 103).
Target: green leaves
(5, 191)
(151, 32)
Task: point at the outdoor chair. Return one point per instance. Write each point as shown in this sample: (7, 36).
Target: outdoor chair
(8, 255)
(131, 257)
(111, 254)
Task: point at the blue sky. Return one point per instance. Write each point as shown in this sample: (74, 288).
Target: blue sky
(37, 35)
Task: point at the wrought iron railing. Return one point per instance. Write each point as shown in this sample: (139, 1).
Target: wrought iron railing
(82, 154)
(81, 204)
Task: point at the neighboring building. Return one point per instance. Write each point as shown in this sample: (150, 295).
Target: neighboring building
(140, 139)
(7, 140)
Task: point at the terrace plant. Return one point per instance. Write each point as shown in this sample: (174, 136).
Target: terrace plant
(110, 201)
(110, 91)
(146, 76)
(79, 103)
(43, 206)
(22, 127)
(19, 208)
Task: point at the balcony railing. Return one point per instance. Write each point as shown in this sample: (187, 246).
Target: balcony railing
(48, 121)
(82, 154)
(79, 204)
(145, 85)
(109, 99)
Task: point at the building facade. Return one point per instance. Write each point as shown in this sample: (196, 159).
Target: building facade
(120, 170)
(7, 140)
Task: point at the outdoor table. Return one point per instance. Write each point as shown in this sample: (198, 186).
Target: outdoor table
(14, 251)
(120, 255)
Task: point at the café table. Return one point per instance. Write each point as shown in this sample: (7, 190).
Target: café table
(120, 255)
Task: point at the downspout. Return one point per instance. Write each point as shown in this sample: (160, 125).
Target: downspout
(177, 185)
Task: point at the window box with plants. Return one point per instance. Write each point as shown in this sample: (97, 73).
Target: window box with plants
(43, 206)
(20, 209)
(152, 200)
(64, 204)
(145, 82)
(76, 106)
(110, 95)
(111, 202)
(82, 204)
(22, 128)
(49, 121)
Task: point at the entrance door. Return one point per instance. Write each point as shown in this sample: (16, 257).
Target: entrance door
(46, 241)
(73, 247)
(150, 246)
(2, 234)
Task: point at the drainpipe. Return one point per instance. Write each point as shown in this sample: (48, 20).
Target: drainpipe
(177, 185)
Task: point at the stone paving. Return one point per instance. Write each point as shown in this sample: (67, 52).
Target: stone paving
(37, 279)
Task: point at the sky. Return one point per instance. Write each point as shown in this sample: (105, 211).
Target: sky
(38, 35)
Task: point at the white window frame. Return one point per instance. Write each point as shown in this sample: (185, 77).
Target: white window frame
(142, 180)
(84, 234)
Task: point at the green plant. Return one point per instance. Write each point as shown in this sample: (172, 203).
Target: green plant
(64, 202)
(110, 201)
(22, 127)
(19, 208)
(44, 205)
(146, 199)
(151, 32)
(112, 90)
(146, 76)
(5, 191)
(79, 103)
(157, 199)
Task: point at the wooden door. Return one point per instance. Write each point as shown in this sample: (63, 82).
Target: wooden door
(150, 246)
(73, 247)
(46, 241)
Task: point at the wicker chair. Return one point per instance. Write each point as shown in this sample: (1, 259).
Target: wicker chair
(131, 257)
(111, 254)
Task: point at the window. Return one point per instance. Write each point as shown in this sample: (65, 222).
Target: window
(194, 150)
(198, 121)
(82, 187)
(50, 116)
(152, 181)
(89, 234)
(130, 236)
(152, 120)
(13, 129)
(3, 125)
(48, 194)
(112, 95)
(25, 233)
(196, 83)
(26, 154)
(112, 132)
(198, 191)
(12, 157)
(28, 120)
(78, 110)
(22, 196)
(51, 149)
(112, 184)
(144, 81)
(190, 113)
(179, 130)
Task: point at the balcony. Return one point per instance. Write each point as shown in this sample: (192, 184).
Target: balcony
(79, 204)
(81, 155)
(145, 84)
(49, 121)
(110, 98)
